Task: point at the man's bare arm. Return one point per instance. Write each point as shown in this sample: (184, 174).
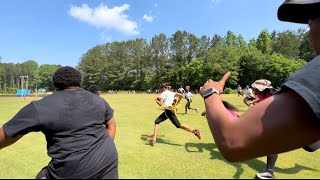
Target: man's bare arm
(6, 140)
(159, 101)
(278, 124)
(111, 127)
(180, 96)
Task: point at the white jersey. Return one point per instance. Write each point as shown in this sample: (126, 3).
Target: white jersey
(248, 92)
(168, 97)
(189, 95)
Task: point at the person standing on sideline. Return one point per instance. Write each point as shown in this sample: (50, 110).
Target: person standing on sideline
(288, 120)
(181, 90)
(262, 89)
(188, 97)
(72, 120)
(249, 96)
(94, 89)
(167, 98)
(239, 90)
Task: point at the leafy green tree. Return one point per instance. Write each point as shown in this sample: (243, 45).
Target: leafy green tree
(203, 46)
(241, 43)
(252, 43)
(279, 67)
(193, 74)
(264, 42)
(36, 80)
(160, 56)
(287, 43)
(252, 66)
(46, 72)
(28, 69)
(306, 50)
(231, 39)
(192, 45)
(217, 40)
(179, 47)
(221, 59)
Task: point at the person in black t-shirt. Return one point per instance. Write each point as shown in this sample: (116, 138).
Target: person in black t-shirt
(72, 120)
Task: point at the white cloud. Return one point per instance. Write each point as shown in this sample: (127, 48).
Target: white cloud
(104, 17)
(148, 18)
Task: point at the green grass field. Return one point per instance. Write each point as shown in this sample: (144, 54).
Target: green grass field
(177, 154)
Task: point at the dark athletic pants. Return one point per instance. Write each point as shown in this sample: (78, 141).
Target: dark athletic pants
(188, 103)
(168, 114)
(113, 174)
(271, 161)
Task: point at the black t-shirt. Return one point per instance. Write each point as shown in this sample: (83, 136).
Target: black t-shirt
(306, 82)
(73, 123)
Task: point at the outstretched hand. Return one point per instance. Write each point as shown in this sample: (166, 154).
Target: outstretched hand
(217, 85)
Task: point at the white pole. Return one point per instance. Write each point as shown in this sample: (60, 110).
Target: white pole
(22, 78)
(27, 82)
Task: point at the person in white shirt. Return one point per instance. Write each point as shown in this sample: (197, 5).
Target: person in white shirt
(249, 96)
(188, 97)
(167, 98)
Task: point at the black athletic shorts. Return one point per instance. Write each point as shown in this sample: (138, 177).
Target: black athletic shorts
(168, 114)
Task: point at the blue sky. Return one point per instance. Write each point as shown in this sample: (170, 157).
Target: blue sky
(61, 31)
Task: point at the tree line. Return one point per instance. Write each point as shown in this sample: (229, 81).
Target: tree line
(182, 59)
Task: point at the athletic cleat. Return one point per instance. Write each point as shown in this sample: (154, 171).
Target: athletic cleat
(196, 132)
(197, 110)
(265, 175)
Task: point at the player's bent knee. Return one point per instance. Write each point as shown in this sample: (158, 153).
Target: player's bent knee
(177, 126)
(157, 121)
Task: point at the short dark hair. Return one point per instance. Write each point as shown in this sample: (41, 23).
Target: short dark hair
(165, 85)
(65, 77)
(230, 106)
(94, 89)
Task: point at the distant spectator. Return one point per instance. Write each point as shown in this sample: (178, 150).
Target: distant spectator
(249, 96)
(94, 89)
(239, 90)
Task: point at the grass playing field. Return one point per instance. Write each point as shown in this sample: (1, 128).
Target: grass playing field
(177, 154)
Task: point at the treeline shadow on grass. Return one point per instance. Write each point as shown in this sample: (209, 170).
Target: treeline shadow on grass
(254, 164)
(160, 140)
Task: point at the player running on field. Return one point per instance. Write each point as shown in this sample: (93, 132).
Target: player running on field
(167, 98)
(188, 97)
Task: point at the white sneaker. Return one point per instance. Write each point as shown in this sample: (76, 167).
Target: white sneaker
(265, 175)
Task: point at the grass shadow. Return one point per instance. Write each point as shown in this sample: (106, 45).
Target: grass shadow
(293, 170)
(160, 140)
(254, 164)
